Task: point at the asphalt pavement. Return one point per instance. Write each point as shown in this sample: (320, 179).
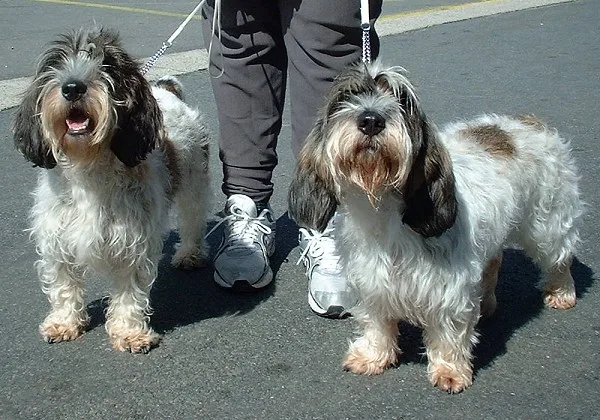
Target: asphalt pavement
(265, 355)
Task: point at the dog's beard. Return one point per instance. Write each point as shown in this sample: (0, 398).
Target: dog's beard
(77, 130)
(375, 164)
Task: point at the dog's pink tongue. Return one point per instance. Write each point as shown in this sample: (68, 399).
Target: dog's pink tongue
(78, 124)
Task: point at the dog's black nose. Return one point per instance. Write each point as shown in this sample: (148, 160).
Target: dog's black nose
(73, 90)
(371, 123)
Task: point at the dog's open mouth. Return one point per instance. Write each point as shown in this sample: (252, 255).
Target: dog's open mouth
(78, 122)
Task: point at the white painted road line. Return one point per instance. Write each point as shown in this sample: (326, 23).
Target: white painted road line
(189, 61)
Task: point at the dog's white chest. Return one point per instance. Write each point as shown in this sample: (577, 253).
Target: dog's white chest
(101, 224)
(396, 270)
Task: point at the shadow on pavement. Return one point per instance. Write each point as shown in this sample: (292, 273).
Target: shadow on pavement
(519, 301)
(181, 297)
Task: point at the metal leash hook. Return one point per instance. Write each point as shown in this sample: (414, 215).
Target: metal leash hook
(167, 44)
(365, 24)
(154, 58)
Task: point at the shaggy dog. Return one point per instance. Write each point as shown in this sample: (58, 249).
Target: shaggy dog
(115, 153)
(426, 215)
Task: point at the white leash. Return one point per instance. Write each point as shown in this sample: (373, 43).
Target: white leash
(216, 30)
(365, 24)
(152, 60)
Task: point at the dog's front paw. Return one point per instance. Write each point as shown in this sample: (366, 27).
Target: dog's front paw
(450, 380)
(188, 259)
(369, 361)
(55, 332)
(135, 342)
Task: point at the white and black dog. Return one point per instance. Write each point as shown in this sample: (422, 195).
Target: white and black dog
(426, 214)
(116, 153)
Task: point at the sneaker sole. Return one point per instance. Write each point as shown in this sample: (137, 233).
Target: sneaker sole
(334, 311)
(242, 285)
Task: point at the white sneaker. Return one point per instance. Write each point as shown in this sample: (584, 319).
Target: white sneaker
(329, 294)
(242, 260)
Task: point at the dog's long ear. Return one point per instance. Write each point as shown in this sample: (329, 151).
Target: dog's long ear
(311, 196)
(140, 124)
(139, 131)
(429, 192)
(27, 129)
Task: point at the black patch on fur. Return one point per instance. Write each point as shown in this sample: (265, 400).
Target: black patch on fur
(138, 132)
(172, 85)
(27, 129)
(139, 118)
(311, 200)
(430, 191)
(310, 203)
(27, 123)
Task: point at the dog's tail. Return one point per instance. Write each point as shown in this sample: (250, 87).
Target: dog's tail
(171, 84)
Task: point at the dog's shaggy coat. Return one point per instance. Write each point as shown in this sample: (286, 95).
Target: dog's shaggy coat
(115, 153)
(426, 214)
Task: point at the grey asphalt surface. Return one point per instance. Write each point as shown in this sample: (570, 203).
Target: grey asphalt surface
(265, 355)
(28, 24)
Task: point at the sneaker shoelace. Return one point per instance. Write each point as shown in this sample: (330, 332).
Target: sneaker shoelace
(244, 230)
(321, 247)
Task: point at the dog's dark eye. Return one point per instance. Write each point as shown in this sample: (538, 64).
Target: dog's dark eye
(384, 85)
(91, 48)
(87, 51)
(336, 103)
(110, 59)
(332, 108)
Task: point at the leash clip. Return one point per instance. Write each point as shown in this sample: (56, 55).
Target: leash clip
(365, 25)
(167, 44)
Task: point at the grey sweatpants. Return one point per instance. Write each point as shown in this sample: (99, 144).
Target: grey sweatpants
(262, 41)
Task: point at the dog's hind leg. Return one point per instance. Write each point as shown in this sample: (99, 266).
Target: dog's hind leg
(549, 233)
(559, 290)
(555, 263)
(489, 279)
(550, 241)
(191, 204)
(64, 288)
(128, 315)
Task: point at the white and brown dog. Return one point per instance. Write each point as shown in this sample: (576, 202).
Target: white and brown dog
(116, 153)
(426, 214)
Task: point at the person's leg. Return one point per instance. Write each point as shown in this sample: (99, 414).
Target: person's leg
(251, 63)
(248, 68)
(322, 38)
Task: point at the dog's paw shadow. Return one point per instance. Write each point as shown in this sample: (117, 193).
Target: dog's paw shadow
(96, 311)
(285, 241)
(519, 301)
(411, 344)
